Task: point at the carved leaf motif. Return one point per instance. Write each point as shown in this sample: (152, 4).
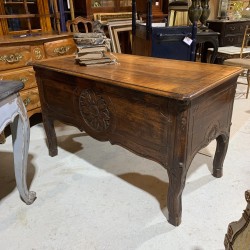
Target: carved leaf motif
(247, 196)
(230, 232)
(12, 58)
(94, 110)
(183, 122)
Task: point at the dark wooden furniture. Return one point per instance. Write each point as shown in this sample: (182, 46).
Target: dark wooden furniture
(13, 112)
(17, 51)
(87, 8)
(238, 232)
(231, 31)
(164, 110)
(159, 9)
(207, 39)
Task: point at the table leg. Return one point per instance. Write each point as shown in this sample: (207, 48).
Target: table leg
(20, 130)
(51, 135)
(220, 153)
(177, 178)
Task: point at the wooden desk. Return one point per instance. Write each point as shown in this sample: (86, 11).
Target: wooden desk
(164, 110)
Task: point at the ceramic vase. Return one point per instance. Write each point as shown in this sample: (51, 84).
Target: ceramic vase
(194, 11)
(205, 13)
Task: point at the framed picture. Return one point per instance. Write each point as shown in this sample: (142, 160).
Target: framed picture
(114, 28)
(223, 8)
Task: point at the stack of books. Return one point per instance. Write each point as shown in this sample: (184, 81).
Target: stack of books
(92, 48)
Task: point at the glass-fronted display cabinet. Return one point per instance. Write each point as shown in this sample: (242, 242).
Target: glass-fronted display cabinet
(88, 7)
(27, 16)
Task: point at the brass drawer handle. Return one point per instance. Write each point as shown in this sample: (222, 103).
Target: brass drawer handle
(26, 101)
(62, 50)
(23, 79)
(13, 58)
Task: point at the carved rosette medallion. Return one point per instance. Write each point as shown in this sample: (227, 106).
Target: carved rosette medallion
(94, 110)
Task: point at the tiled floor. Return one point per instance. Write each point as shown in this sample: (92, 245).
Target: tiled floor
(97, 196)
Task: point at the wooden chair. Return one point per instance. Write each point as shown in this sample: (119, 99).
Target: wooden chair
(238, 233)
(79, 24)
(239, 56)
(13, 112)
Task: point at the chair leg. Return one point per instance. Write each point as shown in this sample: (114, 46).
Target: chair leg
(248, 82)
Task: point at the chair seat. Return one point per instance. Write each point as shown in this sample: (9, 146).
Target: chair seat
(8, 88)
(241, 62)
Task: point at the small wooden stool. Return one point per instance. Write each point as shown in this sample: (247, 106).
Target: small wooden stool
(13, 112)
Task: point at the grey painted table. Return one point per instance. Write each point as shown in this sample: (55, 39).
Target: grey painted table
(13, 112)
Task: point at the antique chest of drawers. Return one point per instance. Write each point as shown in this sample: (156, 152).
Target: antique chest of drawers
(231, 31)
(17, 52)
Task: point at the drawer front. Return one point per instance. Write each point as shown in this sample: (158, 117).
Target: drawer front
(235, 28)
(14, 57)
(27, 76)
(30, 98)
(60, 48)
(231, 40)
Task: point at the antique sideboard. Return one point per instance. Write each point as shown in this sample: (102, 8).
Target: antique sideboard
(16, 51)
(231, 31)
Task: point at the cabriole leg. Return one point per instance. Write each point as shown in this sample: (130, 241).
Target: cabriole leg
(20, 130)
(220, 153)
(177, 178)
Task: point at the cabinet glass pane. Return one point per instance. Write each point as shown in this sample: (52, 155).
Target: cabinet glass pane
(23, 21)
(103, 3)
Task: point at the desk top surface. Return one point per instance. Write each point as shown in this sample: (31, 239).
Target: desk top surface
(170, 78)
